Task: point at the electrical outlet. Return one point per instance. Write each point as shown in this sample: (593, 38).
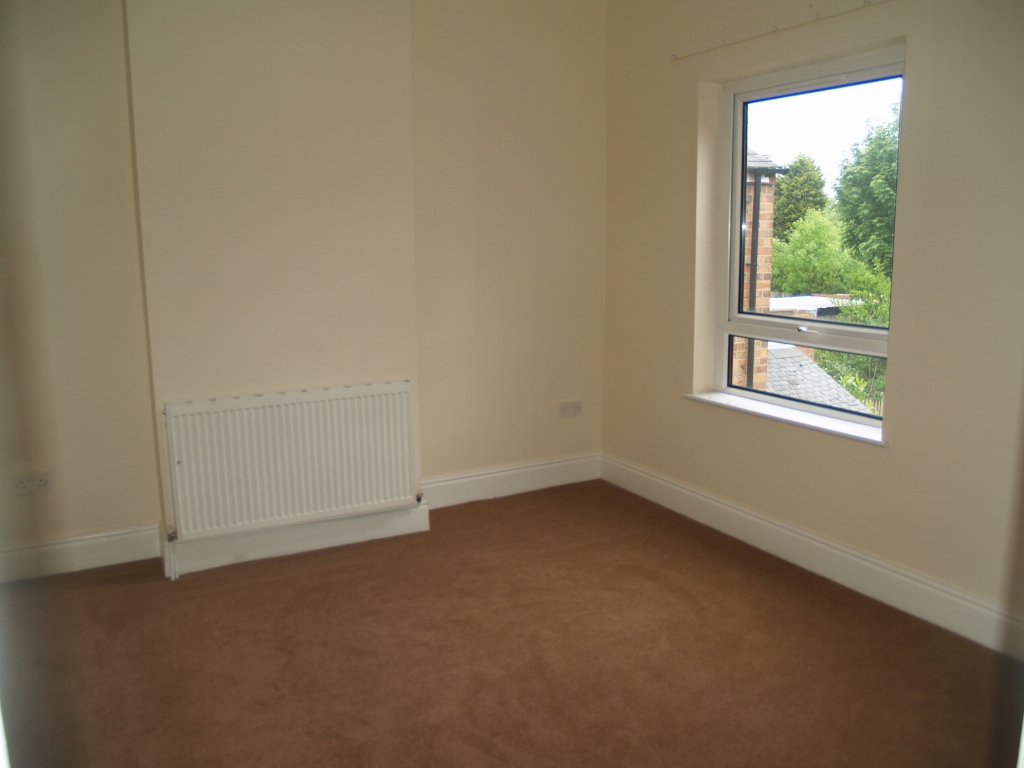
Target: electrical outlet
(570, 408)
(25, 478)
(41, 481)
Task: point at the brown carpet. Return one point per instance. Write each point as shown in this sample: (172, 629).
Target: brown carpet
(577, 626)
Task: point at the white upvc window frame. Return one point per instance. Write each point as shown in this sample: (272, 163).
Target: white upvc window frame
(730, 321)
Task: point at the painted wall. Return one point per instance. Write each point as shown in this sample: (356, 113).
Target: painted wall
(275, 167)
(14, 229)
(511, 113)
(940, 498)
(277, 220)
(76, 385)
(277, 227)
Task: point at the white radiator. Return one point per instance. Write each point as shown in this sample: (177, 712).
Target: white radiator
(263, 461)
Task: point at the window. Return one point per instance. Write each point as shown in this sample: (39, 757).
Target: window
(812, 157)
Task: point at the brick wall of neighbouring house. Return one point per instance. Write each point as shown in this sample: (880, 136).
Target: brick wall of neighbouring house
(762, 289)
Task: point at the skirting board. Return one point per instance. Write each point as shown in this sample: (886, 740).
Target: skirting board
(967, 615)
(183, 557)
(962, 613)
(77, 553)
(505, 481)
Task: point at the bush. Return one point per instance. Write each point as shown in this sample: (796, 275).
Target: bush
(815, 261)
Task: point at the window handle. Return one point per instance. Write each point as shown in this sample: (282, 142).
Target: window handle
(805, 329)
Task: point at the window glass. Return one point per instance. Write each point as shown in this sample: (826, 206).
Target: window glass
(839, 380)
(819, 203)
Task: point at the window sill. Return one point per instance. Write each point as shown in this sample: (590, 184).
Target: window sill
(865, 432)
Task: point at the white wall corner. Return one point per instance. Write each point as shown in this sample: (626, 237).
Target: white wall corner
(505, 481)
(974, 618)
(78, 553)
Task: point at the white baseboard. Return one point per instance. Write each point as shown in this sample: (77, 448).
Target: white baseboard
(967, 615)
(505, 481)
(77, 553)
(189, 556)
(972, 617)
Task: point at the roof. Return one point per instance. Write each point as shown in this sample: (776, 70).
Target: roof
(799, 303)
(762, 163)
(791, 373)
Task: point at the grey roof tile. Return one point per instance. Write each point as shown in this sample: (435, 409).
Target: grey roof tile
(793, 374)
(762, 162)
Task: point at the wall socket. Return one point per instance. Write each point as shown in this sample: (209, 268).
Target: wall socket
(570, 408)
(23, 478)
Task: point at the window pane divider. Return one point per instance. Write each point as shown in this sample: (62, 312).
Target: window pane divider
(860, 341)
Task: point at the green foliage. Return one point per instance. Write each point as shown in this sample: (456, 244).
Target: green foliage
(814, 260)
(866, 197)
(843, 249)
(861, 376)
(870, 305)
(800, 190)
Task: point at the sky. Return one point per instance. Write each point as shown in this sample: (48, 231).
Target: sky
(824, 125)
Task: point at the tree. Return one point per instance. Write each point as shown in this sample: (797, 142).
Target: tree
(814, 260)
(800, 190)
(866, 196)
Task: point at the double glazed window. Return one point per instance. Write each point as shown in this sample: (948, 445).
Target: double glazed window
(813, 168)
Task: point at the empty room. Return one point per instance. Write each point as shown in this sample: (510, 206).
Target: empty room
(505, 382)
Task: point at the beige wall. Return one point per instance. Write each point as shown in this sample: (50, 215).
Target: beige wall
(293, 239)
(939, 498)
(14, 227)
(510, 228)
(275, 166)
(77, 389)
(276, 192)
(276, 199)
